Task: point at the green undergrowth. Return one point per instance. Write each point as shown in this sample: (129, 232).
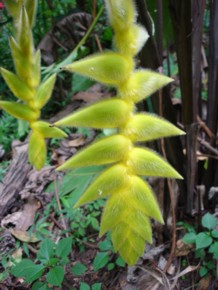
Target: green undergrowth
(53, 261)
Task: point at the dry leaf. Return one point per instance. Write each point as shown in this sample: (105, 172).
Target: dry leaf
(22, 220)
(183, 249)
(24, 236)
(186, 271)
(88, 96)
(77, 142)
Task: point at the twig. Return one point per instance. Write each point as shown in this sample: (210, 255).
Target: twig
(59, 204)
(169, 183)
(98, 43)
(208, 146)
(82, 41)
(205, 127)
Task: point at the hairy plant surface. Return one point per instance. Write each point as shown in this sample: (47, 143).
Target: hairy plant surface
(25, 83)
(131, 202)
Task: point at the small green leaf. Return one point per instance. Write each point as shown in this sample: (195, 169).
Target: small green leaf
(64, 247)
(203, 240)
(203, 271)
(210, 265)
(110, 266)
(79, 269)
(40, 286)
(214, 233)
(46, 251)
(27, 269)
(120, 262)
(200, 253)
(55, 276)
(105, 245)
(84, 286)
(81, 83)
(209, 221)
(101, 260)
(96, 286)
(189, 238)
(214, 250)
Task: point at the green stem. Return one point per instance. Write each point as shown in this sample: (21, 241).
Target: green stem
(73, 55)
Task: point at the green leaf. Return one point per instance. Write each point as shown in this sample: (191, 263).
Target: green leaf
(214, 250)
(79, 269)
(203, 271)
(64, 247)
(46, 251)
(120, 262)
(200, 253)
(40, 286)
(110, 266)
(203, 240)
(96, 286)
(55, 276)
(189, 238)
(84, 286)
(214, 233)
(81, 83)
(105, 245)
(27, 269)
(209, 221)
(101, 260)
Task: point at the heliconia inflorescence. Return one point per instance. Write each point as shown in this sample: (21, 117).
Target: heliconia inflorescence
(130, 203)
(25, 84)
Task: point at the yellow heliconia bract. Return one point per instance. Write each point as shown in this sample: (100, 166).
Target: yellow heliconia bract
(121, 13)
(147, 127)
(111, 113)
(131, 202)
(109, 67)
(109, 150)
(20, 111)
(142, 84)
(44, 92)
(106, 183)
(37, 150)
(25, 84)
(47, 131)
(17, 86)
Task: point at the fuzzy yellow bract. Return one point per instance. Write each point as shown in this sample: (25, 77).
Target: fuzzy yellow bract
(130, 201)
(111, 113)
(25, 84)
(109, 68)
